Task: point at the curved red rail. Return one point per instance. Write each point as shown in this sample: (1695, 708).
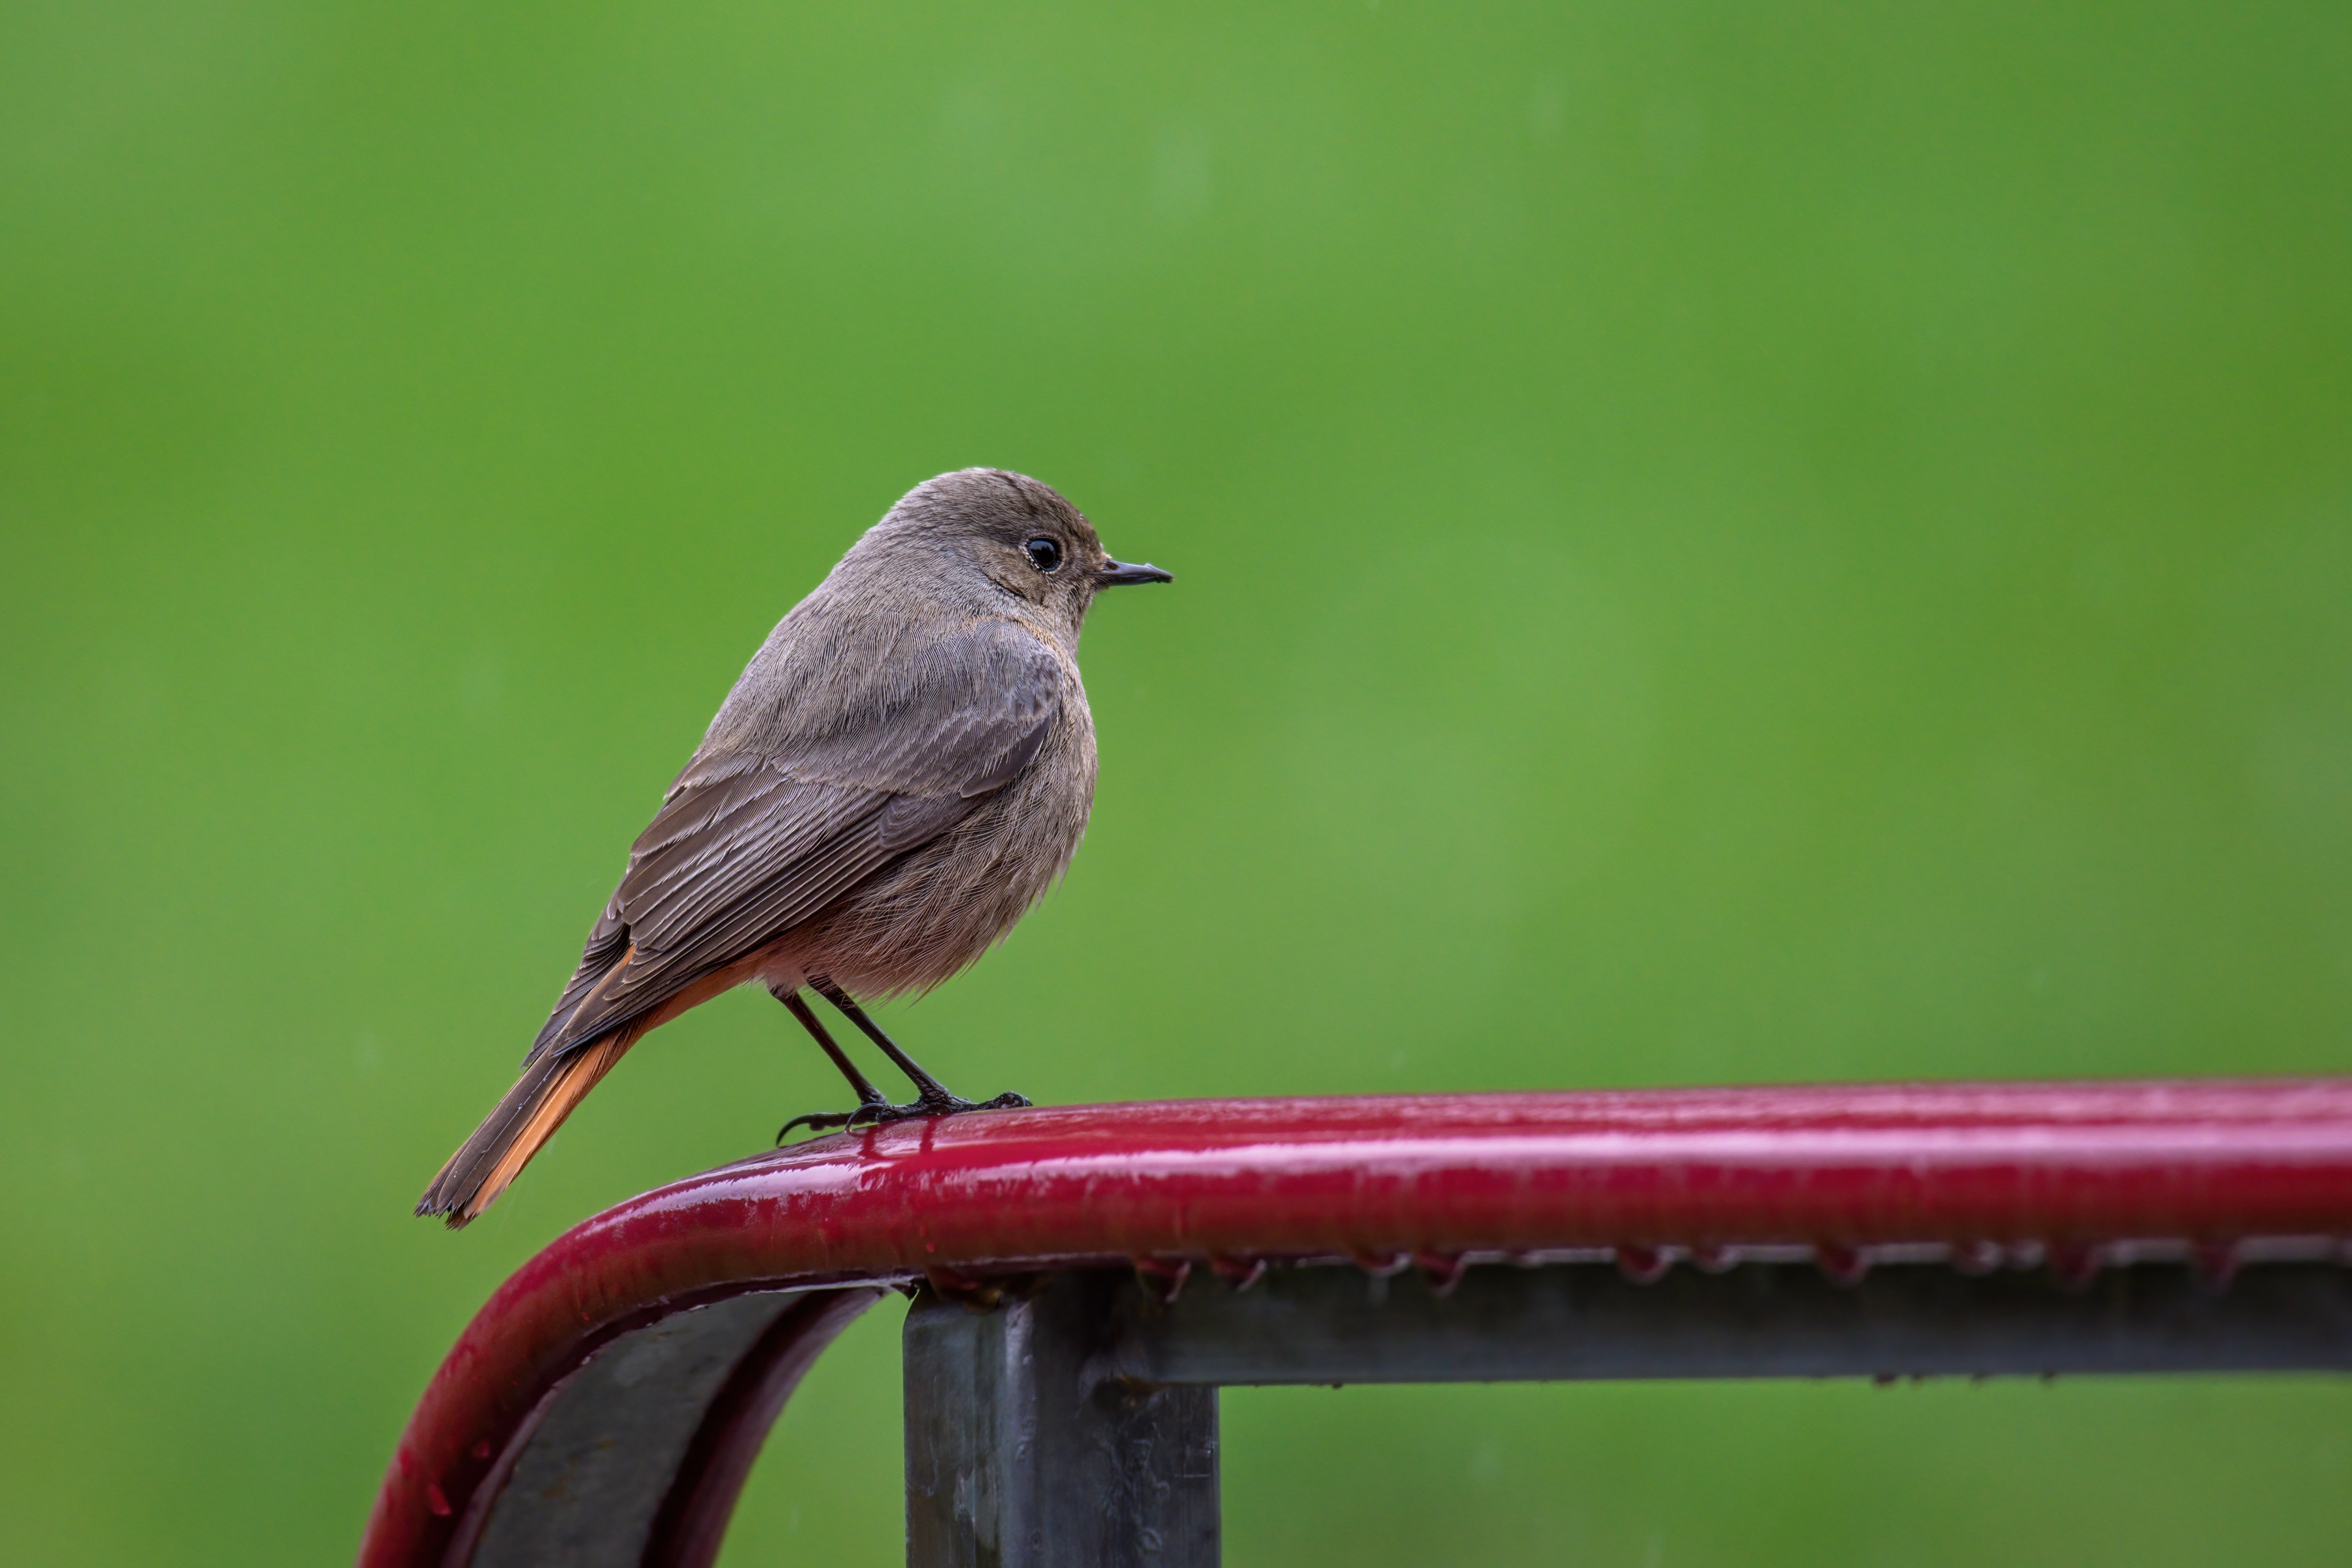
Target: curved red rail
(1229, 1181)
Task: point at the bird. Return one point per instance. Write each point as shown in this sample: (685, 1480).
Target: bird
(905, 768)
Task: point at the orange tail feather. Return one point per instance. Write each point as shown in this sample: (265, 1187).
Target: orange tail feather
(490, 1160)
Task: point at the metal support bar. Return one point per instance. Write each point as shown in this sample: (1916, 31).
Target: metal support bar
(1760, 1320)
(1026, 1449)
(1075, 1426)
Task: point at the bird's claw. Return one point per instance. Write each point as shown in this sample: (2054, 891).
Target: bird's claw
(825, 1120)
(875, 1113)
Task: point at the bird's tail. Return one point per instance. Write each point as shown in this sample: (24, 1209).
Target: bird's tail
(524, 1120)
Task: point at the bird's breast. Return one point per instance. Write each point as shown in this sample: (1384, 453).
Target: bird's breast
(934, 912)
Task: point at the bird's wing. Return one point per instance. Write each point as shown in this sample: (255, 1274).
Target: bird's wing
(748, 846)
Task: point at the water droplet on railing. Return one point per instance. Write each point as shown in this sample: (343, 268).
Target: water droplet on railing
(1643, 1265)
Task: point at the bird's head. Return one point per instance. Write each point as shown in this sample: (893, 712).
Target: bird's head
(986, 535)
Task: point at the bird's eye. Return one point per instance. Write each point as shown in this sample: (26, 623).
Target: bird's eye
(1044, 553)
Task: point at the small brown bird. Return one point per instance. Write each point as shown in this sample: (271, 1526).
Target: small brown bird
(904, 769)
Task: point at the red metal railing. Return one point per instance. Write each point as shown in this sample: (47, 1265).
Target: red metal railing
(2066, 1167)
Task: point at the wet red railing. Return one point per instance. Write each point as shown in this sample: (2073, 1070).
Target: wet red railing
(1978, 1170)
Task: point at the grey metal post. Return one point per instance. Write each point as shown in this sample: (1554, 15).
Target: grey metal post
(1026, 1449)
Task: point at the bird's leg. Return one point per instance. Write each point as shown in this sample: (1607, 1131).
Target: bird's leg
(870, 1102)
(931, 1096)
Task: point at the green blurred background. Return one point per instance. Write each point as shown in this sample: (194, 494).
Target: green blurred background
(1715, 543)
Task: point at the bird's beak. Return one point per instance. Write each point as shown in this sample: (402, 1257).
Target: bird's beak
(1114, 573)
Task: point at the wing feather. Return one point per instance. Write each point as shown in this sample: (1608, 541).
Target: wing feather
(748, 844)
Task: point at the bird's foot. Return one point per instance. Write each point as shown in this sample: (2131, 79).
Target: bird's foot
(950, 1106)
(875, 1112)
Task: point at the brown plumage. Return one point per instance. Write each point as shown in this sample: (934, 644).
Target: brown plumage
(903, 769)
